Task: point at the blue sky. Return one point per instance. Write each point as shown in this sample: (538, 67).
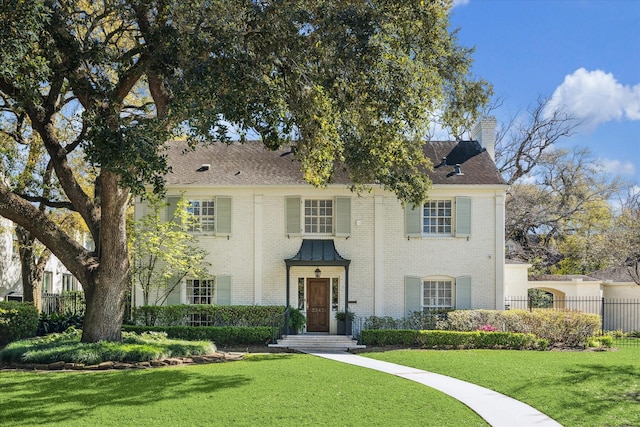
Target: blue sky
(585, 54)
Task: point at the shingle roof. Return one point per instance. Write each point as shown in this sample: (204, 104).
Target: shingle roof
(615, 274)
(251, 164)
(560, 278)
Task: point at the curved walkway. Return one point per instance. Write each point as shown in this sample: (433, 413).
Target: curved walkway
(497, 409)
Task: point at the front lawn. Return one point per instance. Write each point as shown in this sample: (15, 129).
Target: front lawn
(576, 388)
(271, 389)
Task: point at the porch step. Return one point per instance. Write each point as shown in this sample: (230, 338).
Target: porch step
(317, 342)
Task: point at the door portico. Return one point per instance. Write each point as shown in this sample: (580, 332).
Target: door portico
(317, 253)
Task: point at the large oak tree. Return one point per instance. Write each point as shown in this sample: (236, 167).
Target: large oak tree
(351, 84)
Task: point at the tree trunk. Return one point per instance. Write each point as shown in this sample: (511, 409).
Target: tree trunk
(107, 287)
(31, 274)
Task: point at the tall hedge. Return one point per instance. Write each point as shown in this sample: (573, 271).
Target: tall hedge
(17, 321)
(215, 315)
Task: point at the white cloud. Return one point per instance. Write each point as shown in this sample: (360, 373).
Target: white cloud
(616, 167)
(457, 3)
(597, 97)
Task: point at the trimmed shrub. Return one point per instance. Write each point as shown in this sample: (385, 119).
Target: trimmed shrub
(17, 321)
(214, 315)
(220, 335)
(561, 328)
(433, 339)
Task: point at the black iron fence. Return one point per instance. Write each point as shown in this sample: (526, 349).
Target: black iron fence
(619, 317)
(66, 302)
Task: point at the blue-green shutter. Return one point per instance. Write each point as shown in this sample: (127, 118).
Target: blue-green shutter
(412, 294)
(173, 297)
(223, 216)
(343, 216)
(172, 205)
(292, 215)
(463, 216)
(463, 292)
(413, 220)
(223, 290)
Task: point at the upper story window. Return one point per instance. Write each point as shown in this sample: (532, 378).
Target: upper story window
(212, 214)
(318, 216)
(205, 214)
(437, 217)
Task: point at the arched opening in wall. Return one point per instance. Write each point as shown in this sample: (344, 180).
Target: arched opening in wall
(545, 298)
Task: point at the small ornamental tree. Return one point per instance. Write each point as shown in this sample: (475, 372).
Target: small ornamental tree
(164, 252)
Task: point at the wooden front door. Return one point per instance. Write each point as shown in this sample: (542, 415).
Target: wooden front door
(318, 309)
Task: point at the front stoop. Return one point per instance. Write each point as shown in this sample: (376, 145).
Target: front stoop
(317, 342)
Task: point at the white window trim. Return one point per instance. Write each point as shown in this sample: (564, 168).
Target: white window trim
(451, 218)
(212, 296)
(305, 216)
(202, 201)
(437, 279)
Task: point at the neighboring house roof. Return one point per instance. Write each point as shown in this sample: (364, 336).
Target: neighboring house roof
(560, 278)
(250, 163)
(615, 274)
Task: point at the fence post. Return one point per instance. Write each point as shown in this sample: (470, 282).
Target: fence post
(602, 317)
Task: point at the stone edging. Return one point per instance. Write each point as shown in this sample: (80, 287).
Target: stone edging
(217, 357)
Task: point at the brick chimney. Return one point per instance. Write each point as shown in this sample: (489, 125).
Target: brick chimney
(485, 133)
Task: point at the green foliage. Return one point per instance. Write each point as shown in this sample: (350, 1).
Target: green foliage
(55, 322)
(67, 347)
(452, 339)
(296, 319)
(221, 335)
(418, 320)
(560, 328)
(17, 321)
(600, 341)
(164, 252)
(216, 315)
(340, 315)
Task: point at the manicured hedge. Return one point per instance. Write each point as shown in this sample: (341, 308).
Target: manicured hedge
(221, 336)
(217, 315)
(451, 339)
(561, 328)
(17, 321)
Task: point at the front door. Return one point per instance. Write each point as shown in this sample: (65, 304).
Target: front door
(318, 309)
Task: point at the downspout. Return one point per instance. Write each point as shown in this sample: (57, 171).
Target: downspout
(347, 317)
(286, 315)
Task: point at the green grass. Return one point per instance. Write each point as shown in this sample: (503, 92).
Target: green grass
(273, 389)
(574, 388)
(66, 347)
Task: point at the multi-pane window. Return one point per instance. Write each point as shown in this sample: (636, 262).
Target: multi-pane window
(318, 216)
(437, 294)
(204, 214)
(436, 218)
(69, 283)
(47, 282)
(200, 291)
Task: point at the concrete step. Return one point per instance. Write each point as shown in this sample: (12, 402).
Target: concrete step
(317, 342)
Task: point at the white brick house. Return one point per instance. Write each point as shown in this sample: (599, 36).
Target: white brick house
(267, 231)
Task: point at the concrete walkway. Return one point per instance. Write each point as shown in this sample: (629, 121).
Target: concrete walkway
(497, 409)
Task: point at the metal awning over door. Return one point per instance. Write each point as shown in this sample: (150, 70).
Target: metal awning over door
(318, 252)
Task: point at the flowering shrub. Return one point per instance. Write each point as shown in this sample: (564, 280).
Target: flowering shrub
(487, 328)
(561, 328)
